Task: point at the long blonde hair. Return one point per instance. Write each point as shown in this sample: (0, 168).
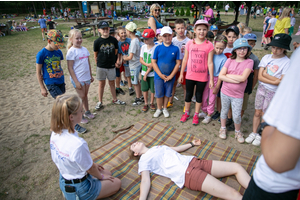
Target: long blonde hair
(285, 13)
(241, 26)
(72, 34)
(63, 107)
(153, 6)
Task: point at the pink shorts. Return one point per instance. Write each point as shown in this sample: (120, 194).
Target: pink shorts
(263, 98)
(196, 173)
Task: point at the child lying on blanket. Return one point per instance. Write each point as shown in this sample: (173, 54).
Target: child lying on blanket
(188, 171)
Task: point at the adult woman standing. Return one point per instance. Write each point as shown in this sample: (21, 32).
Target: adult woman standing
(153, 22)
(283, 23)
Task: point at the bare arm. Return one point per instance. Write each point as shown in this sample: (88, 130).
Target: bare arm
(127, 58)
(223, 77)
(152, 24)
(265, 79)
(184, 61)
(40, 79)
(255, 78)
(210, 64)
(145, 185)
(70, 64)
(92, 79)
(240, 78)
(217, 87)
(186, 146)
(95, 171)
(280, 151)
(95, 56)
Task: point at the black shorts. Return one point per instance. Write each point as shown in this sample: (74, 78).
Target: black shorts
(253, 192)
(226, 10)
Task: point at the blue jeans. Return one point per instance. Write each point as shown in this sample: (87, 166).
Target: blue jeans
(56, 89)
(89, 189)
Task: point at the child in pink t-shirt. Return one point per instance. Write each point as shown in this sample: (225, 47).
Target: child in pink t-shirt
(198, 58)
(234, 75)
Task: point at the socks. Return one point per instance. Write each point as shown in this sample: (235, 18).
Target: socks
(196, 114)
(223, 127)
(187, 112)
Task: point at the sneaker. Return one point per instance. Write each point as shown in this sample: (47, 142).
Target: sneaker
(142, 99)
(194, 99)
(231, 127)
(222, 133)
(117, 91)
(89, 115)
(43, 39)
(152, 107)
(157, 113)
(216, 115)
(122, 84)
(195, 120)
(250, 138)
(125, 82)
(119, 102)
(145, 108)
(184, 117)
(80, 129)
(131, 91)
(202, 115)
(121, 91)
(206, 120)
(228, 122)
(137, 102)
(166, 113)
(84, 120)
(239, 136)
(178, 85)
(262, 44)
(256, 142)
(169, 105)
(99, 105)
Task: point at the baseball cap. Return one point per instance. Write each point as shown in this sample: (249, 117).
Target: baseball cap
(250, 36)
(241, 42)
(148, 33)
(103, 24)
(112, 30)
(201, 21)
(214, 28)
(138, 33)
(166, 30)
(210, 34)
(281, 40)
(234, 28)
(131, 26)
(56, 37)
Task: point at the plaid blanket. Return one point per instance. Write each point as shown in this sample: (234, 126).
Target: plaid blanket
(115, 157)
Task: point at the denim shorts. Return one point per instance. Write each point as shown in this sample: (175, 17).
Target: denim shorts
(163, 88)
(56, 89)
(81, 83)
(89, 189)
(135, 74)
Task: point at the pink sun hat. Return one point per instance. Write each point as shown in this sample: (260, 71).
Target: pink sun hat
(201, 21)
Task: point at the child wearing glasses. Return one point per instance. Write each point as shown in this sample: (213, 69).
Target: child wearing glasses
(234, 75)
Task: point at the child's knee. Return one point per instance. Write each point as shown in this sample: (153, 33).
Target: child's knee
(257, 113)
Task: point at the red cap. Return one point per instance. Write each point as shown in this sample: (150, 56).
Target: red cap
(148, 33)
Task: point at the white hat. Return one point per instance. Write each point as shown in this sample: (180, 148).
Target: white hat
(166, 29)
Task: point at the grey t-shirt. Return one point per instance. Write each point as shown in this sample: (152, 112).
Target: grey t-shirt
(135, 49)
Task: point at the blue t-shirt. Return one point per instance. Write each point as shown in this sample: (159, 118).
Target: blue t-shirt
(219, 61)
(52, 71)
(42, 23)
(124, 48)
(166, 58)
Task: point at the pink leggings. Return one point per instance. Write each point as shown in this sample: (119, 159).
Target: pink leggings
(208, 94)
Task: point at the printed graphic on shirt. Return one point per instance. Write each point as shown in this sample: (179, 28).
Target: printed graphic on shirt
(60, 155)
(53, 67)
(272, 69)
(107, 48)
(198, 58)
(125, 47)
(147, 59)
(83, 56)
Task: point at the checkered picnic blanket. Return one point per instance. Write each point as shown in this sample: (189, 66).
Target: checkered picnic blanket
(115, 156)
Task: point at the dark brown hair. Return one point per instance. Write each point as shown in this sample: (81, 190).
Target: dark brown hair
(233, 56)
(179, 21)
(132, 156)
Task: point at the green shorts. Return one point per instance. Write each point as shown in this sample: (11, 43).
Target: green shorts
(149, 84)
(291, 30)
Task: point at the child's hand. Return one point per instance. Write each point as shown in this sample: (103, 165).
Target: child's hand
(196, 142)
(78, 85)
(216, 90)
(117, 65)
(44, 92)
(149, 65)
(92, 79)
(211, 84)
(145, 77)
(125, 57)
(163, 77)
(180, 79)
(107, 177)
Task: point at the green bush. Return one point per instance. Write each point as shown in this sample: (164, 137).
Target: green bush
(182, 12)
(188, 12)
(177, 12)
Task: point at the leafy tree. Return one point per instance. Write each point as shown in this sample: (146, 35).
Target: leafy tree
(182, 12)
(188, 12)
(177, 12)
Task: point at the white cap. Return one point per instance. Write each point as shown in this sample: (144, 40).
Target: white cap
(166, 29)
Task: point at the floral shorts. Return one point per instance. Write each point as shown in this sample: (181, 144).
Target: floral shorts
(263, 98)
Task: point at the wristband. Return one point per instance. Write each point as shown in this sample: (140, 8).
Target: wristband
(192, 144)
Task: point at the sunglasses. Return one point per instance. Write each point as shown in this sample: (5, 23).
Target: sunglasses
(157, 10)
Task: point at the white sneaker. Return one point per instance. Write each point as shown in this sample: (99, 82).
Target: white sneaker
(157, 113)
(194, 99)
(202, 115)
(250, 138)
(166, 113)
(206, 120)
(256, 142)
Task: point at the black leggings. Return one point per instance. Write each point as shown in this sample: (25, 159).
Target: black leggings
(190, 85)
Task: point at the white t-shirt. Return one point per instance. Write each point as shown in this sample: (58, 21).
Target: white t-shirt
(164, 161)
(147, 54)
(283, 113)
(135, 49)
(81, 63)
(272, 21)
(227, 7)
(276, 68)
(71, 154)
(181, 46)
(293, 21)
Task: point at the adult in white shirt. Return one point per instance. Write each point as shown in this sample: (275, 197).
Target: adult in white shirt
(71, 154)
(226, 9)
(188, 171)
(277, 172)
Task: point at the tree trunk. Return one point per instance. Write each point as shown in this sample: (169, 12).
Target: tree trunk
(88, 9)
(237, 5)
(80, 8)
(60, 5)
(34, 8)
(248, 4)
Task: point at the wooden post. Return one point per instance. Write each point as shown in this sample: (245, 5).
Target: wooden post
(248, 4)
